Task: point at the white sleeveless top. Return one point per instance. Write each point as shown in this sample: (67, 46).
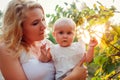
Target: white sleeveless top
(36, 70)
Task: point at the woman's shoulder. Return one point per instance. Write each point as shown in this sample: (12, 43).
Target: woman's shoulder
(3, 49)
(6, 56)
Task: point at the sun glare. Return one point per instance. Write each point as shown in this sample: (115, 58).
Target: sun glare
(95, 32)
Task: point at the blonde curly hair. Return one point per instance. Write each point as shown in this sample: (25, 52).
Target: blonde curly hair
(13, 19)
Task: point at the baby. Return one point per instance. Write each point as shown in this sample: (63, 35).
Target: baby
(67, 54)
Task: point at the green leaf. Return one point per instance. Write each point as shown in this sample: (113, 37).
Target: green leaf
(96, 78)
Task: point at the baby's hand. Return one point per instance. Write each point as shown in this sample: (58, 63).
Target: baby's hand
(93, 42)
(45, 54)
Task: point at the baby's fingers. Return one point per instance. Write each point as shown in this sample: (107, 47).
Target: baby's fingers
(43, 46)
(48, 53)
(43, 49)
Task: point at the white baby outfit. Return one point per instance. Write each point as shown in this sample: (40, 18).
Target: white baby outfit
(65, 58)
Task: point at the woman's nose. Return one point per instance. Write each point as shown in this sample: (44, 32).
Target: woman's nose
(42, 26)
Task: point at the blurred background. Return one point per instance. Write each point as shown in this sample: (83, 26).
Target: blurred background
(94, 18)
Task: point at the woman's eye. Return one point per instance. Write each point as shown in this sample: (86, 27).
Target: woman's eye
(35, 23)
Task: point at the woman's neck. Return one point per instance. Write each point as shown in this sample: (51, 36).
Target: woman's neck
(35, 48)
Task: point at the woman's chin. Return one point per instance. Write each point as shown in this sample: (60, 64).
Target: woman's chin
(41, 38)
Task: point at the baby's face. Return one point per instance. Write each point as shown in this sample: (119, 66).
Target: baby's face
(64, 35)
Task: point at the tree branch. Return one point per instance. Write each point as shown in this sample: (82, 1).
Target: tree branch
(113, 75)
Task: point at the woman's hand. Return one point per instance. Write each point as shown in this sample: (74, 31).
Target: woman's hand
(78, 73)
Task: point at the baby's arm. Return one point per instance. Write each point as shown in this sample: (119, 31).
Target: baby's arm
(90, 52)
(45, 55)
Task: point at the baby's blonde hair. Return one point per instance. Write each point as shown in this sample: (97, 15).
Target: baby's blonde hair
(12, 23)
(63, 22)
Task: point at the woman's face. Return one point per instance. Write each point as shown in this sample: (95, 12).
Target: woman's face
(34, 25)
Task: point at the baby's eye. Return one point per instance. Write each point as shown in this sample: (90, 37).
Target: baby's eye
(61, 32)
(69, 32)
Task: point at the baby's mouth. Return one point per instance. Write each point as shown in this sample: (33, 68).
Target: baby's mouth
(64, 40)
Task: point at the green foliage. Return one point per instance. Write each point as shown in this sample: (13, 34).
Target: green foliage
(51, 38)
(0, 17)
(0, 13)
(106, 62)
(108, 57)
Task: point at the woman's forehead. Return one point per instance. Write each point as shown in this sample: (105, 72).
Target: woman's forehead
(34, 14)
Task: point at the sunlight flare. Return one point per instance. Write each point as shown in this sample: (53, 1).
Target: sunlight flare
(96, 31)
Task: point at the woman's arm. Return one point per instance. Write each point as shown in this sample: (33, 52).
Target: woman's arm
(11, 67)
